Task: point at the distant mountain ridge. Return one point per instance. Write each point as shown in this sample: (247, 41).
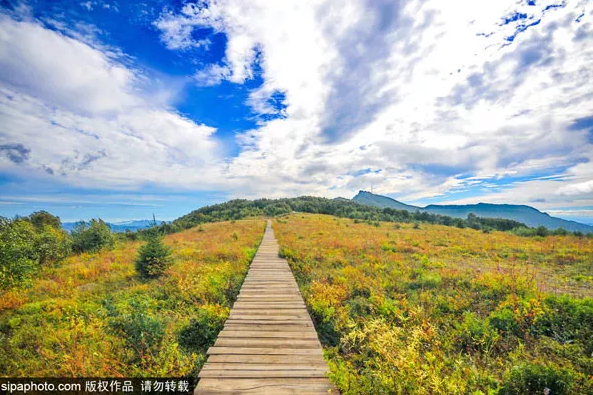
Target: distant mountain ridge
(526, 214)
(122, 226)
(370, 199)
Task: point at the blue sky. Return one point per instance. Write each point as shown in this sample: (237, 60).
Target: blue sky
(124, 109)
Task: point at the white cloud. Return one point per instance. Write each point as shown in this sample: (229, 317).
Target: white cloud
(71, 113)
(212, 75)
(176, 31)
(88, 5)
(571, 213)
(62, 71)
(422, 91)
(581, 188)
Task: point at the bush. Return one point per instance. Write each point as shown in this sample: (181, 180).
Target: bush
(142, 332)
(201, 332)
(18, 257)
(92, 236)
(475, 335)
(568, 320)
(505, 322)
(153, 258)
(52, 245)
(41, 219)
(531, 378)
(541, 231)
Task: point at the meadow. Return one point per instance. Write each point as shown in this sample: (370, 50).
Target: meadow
(92, 315)
(404, 308)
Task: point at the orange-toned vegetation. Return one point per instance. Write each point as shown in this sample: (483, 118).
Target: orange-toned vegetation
(92, 315)
(438, 309)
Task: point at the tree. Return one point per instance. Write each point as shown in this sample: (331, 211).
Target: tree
(541, 231)
(52, 244)
(153, 258)
(40, 219)
(201, 332)
(18, 257)
(92, 236)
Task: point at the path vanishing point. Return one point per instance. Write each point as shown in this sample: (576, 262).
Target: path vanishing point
(268, 344)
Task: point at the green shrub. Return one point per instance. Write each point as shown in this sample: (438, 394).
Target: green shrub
(360, 307)
(541, 231)
(568, 320)
(425, 280)
(201, 332)
(531, 378)
(52, 245)
(41, 219)
(504, 320)
(18, 256)
(92, 236)
(153, 258)
(474, 334)
(142, 332)
(325, 325)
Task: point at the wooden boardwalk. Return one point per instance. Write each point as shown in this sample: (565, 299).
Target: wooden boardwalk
(268, 344)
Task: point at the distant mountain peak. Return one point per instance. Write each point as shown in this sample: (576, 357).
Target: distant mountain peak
(521, 213)
(370, 199)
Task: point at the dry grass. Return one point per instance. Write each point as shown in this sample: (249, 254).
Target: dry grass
(444, 310)
(60, 326)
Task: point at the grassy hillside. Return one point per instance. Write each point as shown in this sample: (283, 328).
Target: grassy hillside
(91, 315)
(236, 209)
(436, 309)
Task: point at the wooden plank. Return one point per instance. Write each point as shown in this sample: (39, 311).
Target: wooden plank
(234, 333)
(267, 298)
(286, 313)
(267, 342)
(269, 359)
(263, 306)
(265, 366)
(269, 304)
(294, 327)
(270, 318)
(264, 351)
(284, 386)
(289, 296)
(272, 289)
(262, 373)
(271, 322)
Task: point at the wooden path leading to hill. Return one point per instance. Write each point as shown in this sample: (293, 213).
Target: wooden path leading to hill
(268, 344)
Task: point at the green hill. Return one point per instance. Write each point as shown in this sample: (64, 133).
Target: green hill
(520, 213)
(526, 214)
(371, 199)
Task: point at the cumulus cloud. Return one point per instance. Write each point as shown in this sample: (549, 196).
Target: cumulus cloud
(212, 75)
(421, 92)
(75, 114)
(80, 77)
(581, 188)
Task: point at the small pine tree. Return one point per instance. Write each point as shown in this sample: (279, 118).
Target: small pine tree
(153, 258)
